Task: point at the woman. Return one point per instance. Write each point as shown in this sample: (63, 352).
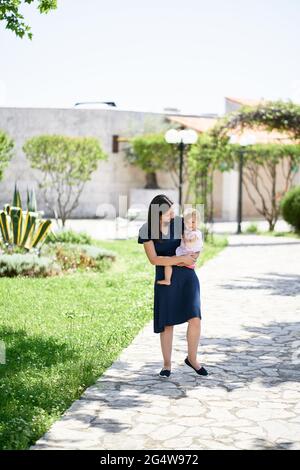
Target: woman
(180, 301)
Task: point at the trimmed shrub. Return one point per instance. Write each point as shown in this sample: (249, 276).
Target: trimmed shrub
(72, 256)
(29, 264)
(69, 236)
(252, 228)
(290, 207)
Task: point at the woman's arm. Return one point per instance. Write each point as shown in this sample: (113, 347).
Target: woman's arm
(166, 260)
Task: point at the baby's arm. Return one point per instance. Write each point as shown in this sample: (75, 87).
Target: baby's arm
(198, 241)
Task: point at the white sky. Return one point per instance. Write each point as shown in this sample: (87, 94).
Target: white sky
(153, 54)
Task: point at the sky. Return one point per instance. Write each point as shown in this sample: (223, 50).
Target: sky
(149, 55)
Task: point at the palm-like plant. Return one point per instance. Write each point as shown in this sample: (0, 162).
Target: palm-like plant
(20, 228)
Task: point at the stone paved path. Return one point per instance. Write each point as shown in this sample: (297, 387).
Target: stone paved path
(250, 295)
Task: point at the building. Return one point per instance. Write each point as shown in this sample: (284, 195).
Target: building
(114, 177)
(225, 184)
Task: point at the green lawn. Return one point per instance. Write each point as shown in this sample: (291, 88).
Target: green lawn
(253, 229)
(280, 234)
(62, 333)
(271, 233)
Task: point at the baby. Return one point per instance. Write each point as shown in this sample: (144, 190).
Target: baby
(191, 242)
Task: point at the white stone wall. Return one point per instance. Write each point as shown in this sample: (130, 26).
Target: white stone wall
(113, 177)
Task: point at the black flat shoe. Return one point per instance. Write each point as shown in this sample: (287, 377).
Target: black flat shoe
(201, 371)
(165, 373)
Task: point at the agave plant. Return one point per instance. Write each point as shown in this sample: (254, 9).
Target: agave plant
(23, 228)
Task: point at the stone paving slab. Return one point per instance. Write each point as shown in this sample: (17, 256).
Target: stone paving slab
(250, 298)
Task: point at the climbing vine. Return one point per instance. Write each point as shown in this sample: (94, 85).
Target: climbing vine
(264, 164)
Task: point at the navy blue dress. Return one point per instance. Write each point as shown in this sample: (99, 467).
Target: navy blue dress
(180, 301)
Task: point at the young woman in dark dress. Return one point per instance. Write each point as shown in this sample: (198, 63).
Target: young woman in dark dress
(178, 302)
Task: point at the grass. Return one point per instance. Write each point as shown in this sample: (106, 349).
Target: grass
(62, 333)
(280, 234)
(253, 229)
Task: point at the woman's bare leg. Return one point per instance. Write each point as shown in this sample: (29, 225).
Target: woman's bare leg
(166, 340)
(193, 338)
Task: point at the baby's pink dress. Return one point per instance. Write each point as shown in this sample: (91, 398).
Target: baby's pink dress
(182, 249)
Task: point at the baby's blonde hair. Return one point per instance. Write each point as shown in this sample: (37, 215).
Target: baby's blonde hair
(190, 212)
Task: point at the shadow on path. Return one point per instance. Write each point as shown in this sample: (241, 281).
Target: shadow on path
(279, 284)
(267, 356)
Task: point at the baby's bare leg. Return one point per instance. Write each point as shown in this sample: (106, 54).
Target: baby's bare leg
(168, 274)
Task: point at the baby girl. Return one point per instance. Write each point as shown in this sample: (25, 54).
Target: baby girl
(191, 242)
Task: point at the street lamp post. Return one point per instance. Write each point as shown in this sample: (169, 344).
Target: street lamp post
(181, 150)
(181, 137)
(239, 212)
(245, 141)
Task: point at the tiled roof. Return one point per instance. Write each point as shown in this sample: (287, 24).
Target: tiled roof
(199, 124)
(261, 136)
(244, 101)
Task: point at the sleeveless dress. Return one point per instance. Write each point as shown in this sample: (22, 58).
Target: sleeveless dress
(180, 301)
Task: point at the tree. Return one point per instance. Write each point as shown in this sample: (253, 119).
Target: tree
(6, 151)
(66, 164)
(151, 153)
(262, 165)
(204, 158)
(268, 158)
(283, 116)
(10, 13)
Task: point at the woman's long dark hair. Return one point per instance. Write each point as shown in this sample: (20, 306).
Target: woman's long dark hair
(159, 205)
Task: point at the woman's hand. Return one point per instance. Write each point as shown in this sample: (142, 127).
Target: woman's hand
(187, 260)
